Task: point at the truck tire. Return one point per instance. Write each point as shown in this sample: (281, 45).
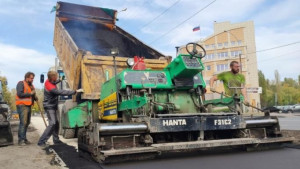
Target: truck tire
(68, 133)
(79, 131)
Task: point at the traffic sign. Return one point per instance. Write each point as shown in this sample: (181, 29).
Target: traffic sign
(254, 90)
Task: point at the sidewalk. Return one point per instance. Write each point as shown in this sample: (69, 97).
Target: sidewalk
(25, 157)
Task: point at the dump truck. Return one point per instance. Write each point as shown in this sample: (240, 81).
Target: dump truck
(83, 37)
(137, 105)
(6, 137)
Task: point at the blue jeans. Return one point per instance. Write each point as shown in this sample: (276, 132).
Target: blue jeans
(24, 116)
(51, 129)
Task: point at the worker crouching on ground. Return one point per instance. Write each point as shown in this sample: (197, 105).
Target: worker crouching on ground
(231, 78)
(25, 97)
(50, 104)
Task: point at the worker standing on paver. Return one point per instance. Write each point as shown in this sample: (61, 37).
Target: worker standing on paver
(25, 97)
(50, 104)
(231, 78)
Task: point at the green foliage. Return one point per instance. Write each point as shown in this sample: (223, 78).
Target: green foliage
(263, 83)
(287, 91)
(5, 92)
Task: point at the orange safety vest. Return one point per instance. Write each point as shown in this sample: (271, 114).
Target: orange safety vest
(26, 100)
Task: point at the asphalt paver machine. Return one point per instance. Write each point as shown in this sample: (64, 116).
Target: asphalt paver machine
(143, 113)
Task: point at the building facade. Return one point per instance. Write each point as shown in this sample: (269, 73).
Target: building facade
(228, 43)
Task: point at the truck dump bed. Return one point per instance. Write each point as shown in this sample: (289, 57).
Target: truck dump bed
(83, 37)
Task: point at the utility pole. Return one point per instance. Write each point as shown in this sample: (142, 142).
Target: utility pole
(275, 99)
(240, 56)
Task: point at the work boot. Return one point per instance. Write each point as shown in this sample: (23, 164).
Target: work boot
(21, 143)
(43, 146)
(27, 142)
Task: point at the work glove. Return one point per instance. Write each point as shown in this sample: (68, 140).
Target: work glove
(79, 91)
(212, 89)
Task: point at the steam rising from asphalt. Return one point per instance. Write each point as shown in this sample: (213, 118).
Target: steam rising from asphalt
(98, 39)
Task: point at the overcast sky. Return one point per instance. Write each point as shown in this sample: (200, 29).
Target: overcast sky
(26, 30)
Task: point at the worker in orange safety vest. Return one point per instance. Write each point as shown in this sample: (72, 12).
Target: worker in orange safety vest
(25, 97)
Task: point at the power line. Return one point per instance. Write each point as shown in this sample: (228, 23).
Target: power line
(129, 12)
(263, 50)
(274, 57)
(280, 55)
(166, 10)
(182, 22)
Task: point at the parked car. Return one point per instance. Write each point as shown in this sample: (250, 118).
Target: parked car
(272, 109)
(280, 108)
(291, 108)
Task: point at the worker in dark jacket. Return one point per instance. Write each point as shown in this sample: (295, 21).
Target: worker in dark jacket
(25, 97)
(50, 104)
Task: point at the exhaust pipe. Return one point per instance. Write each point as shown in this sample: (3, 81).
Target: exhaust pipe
(123, 128)
(254, 122)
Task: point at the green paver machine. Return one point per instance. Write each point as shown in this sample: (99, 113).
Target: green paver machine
(143, 113)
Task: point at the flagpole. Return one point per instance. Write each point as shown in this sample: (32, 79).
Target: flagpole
(200, 33)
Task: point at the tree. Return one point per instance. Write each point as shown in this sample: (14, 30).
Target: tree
(13, 99)
(263, 83)
(277, 83)
(286, 91)
(277, 78)
(6, 93)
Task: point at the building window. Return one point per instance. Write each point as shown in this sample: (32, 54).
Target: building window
(213, 46)
(219, 45)
(232, 43)
(239, 52)
(239, 42)
(208, 67)
(236, 53)
(222, 55)
(222, 67)
(206, 46)
(225, 44)
(210, 56)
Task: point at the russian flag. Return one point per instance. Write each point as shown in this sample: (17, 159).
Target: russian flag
(196, 29)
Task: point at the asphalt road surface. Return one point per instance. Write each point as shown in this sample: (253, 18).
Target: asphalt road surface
(289, 121)
(284, 158)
